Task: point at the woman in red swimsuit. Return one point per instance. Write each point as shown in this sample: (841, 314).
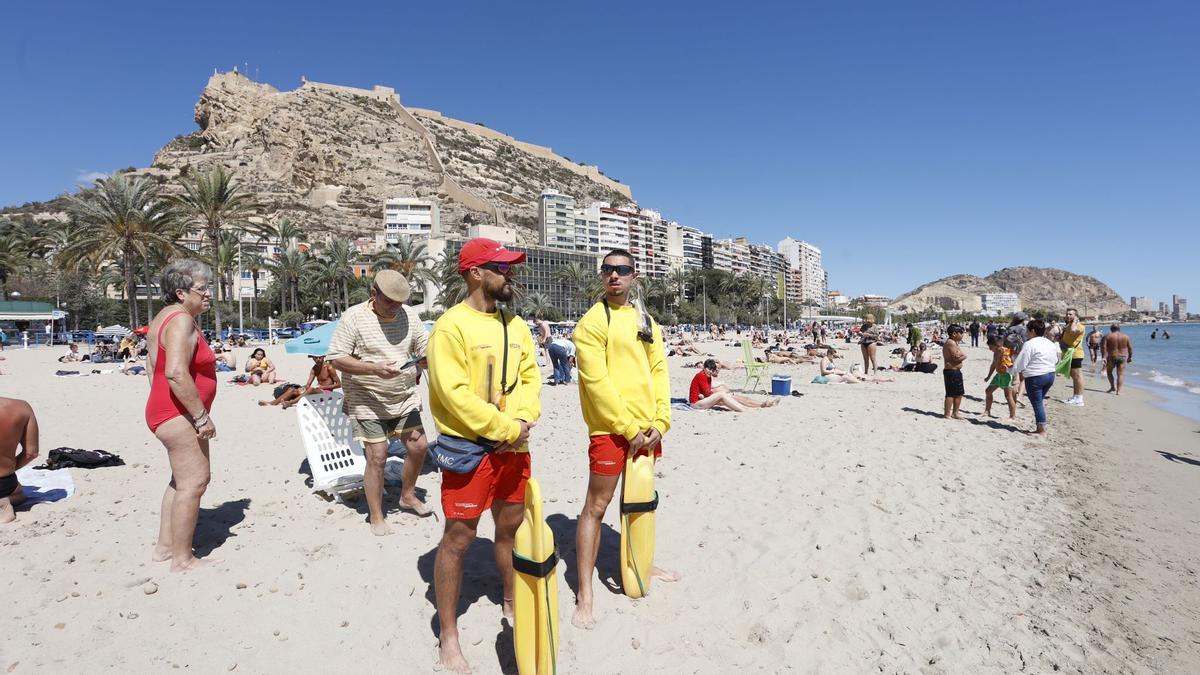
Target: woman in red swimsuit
(183, 384)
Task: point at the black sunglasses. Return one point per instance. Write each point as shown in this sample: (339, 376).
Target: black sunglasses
(621, 270)
(498, 267)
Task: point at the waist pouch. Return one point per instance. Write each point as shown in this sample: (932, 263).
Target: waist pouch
(459, 455)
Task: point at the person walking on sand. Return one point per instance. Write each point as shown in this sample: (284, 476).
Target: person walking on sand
(626, 399)
(484, 384)
(1093, 343)
(1001, 363)
(183, 385)
(974, 330)
(1118, 352)
(914, 336)
(1036, 362)
(18, 427)
(953, 358)
(377, 346)
(1071, 339)
(868, 340)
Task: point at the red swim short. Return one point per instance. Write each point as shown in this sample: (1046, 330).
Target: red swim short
(606, 454)
(499, 476)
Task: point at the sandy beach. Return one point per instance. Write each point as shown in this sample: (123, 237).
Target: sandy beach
(848, 530)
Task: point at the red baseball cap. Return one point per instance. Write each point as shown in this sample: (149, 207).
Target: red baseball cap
(480, 251)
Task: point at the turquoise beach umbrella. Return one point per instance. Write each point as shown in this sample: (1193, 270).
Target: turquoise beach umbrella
(315, 342)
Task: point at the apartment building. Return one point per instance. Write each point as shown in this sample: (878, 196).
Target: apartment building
(556, 220)
(408, 216)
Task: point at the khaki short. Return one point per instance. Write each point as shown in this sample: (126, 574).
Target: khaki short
(378, 431)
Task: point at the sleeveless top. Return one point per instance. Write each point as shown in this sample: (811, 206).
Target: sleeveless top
(162, 405)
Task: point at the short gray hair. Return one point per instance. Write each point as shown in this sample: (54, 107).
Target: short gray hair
(179, 275)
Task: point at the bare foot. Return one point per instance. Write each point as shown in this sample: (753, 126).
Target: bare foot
(663, 574)
(451, 657)
(195, 564)
(583, 615)
(161, 553)
(957, 416)
(265, 403)
(508, 610)
(7, 514)
(415, 506)
(381, 529)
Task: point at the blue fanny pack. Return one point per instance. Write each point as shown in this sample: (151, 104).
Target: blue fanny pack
(459, 455)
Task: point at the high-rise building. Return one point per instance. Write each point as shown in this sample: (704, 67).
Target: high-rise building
(1141, 304)
(408, 216)
(805, 257)
(556, 220)
(722, 254)
(1000, 304)
(1179, 308)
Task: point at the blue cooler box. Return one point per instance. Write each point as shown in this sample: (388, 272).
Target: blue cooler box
(781, 385)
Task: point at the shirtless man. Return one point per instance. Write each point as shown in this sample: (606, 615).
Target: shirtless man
(1118, 351)
(327, 380)
(18, 426)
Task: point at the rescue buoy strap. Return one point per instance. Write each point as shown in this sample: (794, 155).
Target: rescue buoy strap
(640, 507)
(535, 569)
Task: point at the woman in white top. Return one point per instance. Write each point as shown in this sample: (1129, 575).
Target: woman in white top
(1036, 362)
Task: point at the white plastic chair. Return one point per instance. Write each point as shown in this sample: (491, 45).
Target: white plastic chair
(334, 457)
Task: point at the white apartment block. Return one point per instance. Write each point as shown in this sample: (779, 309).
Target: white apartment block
(614, 226)
(722, 254)
(806, 258)
(407, 216)
(693, 247)
(556, 220)
(1000, 304)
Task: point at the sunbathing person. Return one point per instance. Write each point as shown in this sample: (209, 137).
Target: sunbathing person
(325, 375)
(724, 365)
(707, 393)
(850, 378)
(792, 358)
(18, 426)
(260, 368)
(684, 350)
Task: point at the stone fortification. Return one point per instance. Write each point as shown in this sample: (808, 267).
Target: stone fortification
(327, 156)
(1039, 288)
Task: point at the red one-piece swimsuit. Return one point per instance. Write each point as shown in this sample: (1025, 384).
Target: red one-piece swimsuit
(162, 404)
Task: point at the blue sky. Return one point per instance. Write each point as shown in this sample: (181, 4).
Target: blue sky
(908, 140)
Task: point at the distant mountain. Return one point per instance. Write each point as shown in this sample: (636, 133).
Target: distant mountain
(1042, 288)
(327, 156)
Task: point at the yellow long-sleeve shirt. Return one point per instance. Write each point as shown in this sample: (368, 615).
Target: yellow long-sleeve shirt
(623, 383)
(464, 346)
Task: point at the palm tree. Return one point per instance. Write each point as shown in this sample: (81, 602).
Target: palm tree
(678, 281)
(212, 202)
(224, 263)
(289, 268)
(450, 284)
(341, 254)
(124, 220)
(537, 305)
(409, 257)
(584, 283)
(253, 262)
(288, 234)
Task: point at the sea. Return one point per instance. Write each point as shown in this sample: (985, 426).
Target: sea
(1169, 368)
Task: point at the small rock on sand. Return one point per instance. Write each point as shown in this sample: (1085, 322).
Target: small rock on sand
(150, 588)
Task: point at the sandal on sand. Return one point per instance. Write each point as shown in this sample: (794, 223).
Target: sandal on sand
(796, 393)
(420, 510)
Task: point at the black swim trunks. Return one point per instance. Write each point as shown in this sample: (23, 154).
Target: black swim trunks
(1076, 364)
(8, 485)
(954, 383)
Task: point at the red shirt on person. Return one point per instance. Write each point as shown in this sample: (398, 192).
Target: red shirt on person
(701, 387)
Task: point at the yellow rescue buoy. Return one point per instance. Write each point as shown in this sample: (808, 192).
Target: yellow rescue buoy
(638, 504)
(535, 596)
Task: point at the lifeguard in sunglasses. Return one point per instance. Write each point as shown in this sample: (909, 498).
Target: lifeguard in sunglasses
(483, 388)
(626, 400)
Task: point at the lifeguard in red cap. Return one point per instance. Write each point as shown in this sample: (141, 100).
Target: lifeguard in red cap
(484, 384)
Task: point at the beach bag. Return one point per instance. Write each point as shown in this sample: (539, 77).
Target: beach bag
(61, 458)
(459, 455)
(1064, 364)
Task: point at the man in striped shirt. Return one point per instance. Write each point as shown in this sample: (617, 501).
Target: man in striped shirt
(378, 346)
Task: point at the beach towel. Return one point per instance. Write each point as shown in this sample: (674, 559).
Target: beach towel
(68, 373)
(61, 458)
(45, 486)
(682, 404)
(1063, 367)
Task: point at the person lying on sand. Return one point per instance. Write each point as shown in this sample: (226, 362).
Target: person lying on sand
(850, 378)
(793, 358)
(723, 365)
(325, 375)
(18, 426)
(706, 392)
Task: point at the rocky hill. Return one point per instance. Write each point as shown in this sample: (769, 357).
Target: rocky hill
(326, 157)
(1038, 288)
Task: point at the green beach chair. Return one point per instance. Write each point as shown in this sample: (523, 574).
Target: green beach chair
(754, 370)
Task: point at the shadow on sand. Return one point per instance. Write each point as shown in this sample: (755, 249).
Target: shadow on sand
(1179, 459)
(608, 559)
(967, 417)
(214, 525)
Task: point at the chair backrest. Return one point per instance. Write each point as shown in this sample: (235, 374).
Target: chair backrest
(747, 352)
(334, 456)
